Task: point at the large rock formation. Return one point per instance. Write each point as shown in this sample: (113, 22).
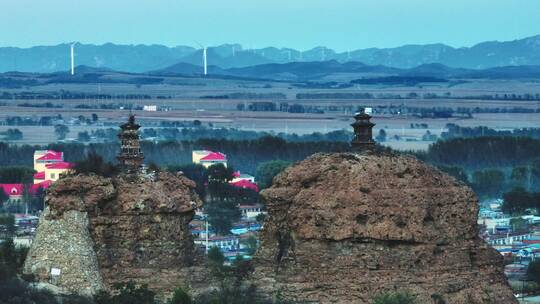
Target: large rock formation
(343, 228)
(99, 231)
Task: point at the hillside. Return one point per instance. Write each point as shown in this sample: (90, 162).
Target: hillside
(143, 58)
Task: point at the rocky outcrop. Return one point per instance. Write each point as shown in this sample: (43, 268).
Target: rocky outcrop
(136, 227)
(343, 228)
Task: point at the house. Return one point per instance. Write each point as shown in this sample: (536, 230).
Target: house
(237, 176)
(49, 165)
(251, 211)
(244, 181)
(245, 184)
(16, 192)
(208, 158)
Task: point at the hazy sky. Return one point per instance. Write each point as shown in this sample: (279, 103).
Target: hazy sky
(302, 24)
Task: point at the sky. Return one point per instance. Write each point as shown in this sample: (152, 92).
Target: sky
(301, 24)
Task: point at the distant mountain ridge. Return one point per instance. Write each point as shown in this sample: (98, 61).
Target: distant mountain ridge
(143, 58)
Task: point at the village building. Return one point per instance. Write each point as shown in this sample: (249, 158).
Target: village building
(207, 158)
(49, 166)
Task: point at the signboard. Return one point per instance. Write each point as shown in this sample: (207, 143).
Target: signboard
(55, 271)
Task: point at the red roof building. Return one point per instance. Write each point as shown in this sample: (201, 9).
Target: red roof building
(215, 156)
(51, 155)
(39, 175)
(59, 165)
(246, 184)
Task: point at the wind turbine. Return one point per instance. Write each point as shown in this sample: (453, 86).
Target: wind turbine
(205, 60)
(73, 57)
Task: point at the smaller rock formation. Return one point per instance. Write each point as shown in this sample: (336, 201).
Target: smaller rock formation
(343, 228)
(99, 231)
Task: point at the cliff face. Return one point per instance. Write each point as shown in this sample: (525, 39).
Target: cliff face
(343, 228)
(137, 228)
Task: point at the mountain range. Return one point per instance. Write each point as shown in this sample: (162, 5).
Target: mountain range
(144, 58)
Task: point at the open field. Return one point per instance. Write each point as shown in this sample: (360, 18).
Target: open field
(182, 96)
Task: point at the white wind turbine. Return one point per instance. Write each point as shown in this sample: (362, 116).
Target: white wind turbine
(205, 59)
(72, 48)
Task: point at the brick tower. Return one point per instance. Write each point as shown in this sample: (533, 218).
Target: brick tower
(363, 132)
(130, 156)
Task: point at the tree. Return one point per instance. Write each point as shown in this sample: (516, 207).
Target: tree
(218, 173)
(16, 175)
(94, 117)
(266, 171)
(196, 173)
(127, 293)
(533, 271)
(518, 201)
(181, 296)
(222, 213)
(7, 226)
(519, 176)
(519, 224)
(381, 137)
(83, 136)
(14, 134)
(488, 182)
(3, 198)
(394, 298)
(61, 131)
(251, 243)
(455, 171)
(94, 163)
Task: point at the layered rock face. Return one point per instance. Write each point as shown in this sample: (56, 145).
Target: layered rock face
(131, 227)
(343, 228)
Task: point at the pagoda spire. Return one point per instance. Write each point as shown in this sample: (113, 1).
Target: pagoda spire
(363, 132)
(130, 156)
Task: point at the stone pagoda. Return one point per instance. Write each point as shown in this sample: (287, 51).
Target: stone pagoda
(363, 132)
(130, 156)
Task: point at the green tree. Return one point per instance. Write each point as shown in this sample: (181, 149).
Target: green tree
(455, 171)
(181, 296)
(251, 243)
(61, 131)
(381, 137)
(94, 163)
(3, 198)
(7, 226)
(218, 173)
(127, 293)
(488, 182)
(520, 177)
(221, 199)
(14, 134)
(16, 175)
(518, 201)
(533, 271)
(195, 172)
(394, 298)
(266, 171)
(83, 136)
(519, 224)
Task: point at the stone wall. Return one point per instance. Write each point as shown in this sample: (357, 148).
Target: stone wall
(64, 243)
